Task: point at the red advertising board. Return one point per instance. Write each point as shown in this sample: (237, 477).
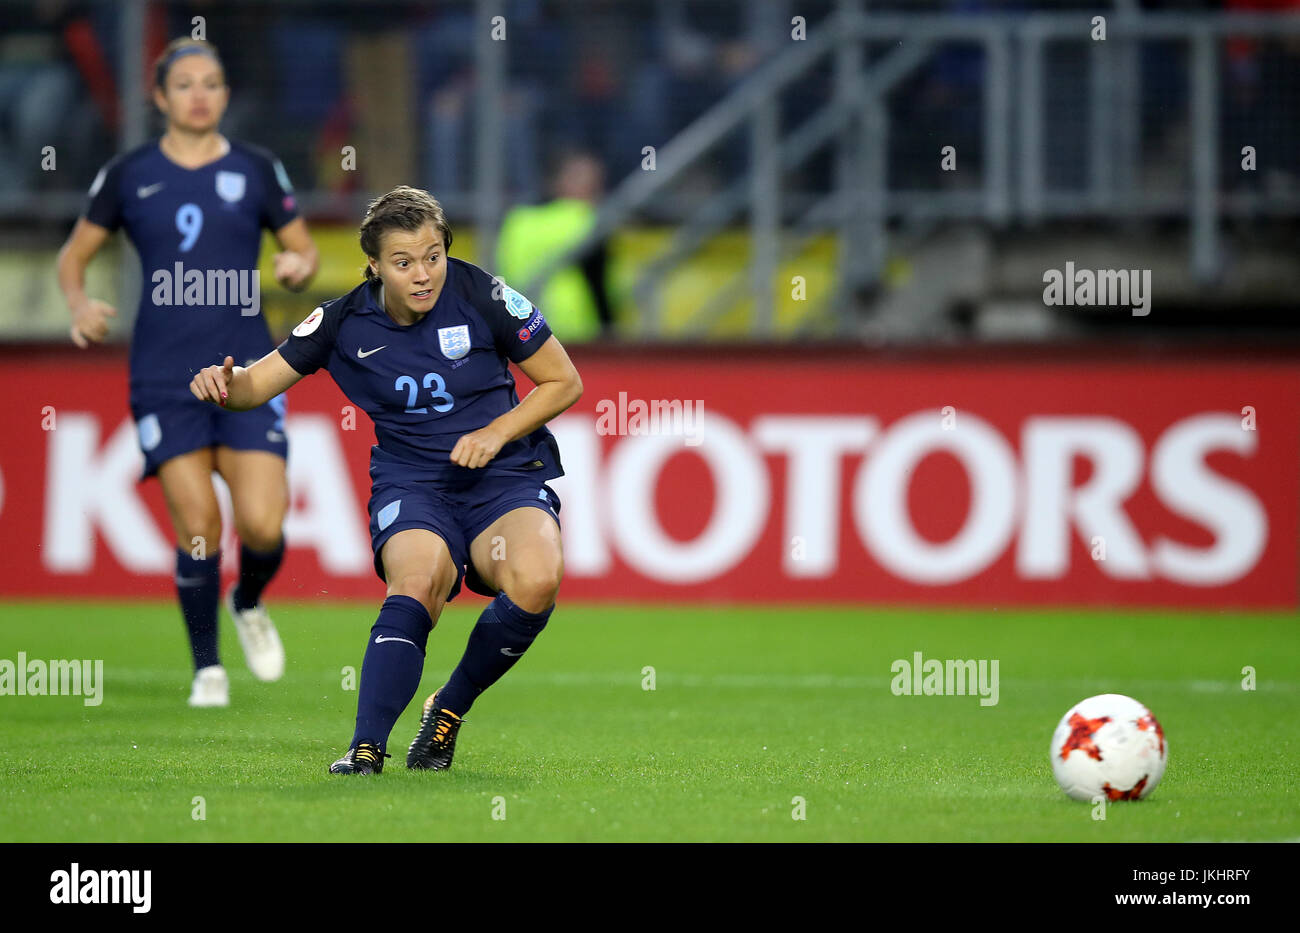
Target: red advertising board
(773, 476)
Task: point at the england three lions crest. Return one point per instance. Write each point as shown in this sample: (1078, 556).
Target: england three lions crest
(454, 341)
(230, 185)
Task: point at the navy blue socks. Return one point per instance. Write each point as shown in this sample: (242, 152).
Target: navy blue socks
(198, 584)
(390, 674)
(501, 635)
(256, 568)
(394, 660)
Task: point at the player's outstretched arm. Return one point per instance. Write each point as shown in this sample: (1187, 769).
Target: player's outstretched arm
(240, 388)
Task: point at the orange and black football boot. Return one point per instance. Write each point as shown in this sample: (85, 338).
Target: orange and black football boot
(435, 743)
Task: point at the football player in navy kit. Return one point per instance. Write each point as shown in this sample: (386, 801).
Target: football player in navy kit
(194, 204)
(459, 469)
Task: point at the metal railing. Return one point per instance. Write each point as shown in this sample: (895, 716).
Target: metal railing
(1014, 187)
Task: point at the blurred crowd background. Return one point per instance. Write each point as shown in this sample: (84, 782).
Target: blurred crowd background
(752, 220)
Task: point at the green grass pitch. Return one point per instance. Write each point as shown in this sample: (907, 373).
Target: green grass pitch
(751, 709)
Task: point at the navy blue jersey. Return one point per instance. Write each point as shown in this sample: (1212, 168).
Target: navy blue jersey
(198, 233)
(426, 384)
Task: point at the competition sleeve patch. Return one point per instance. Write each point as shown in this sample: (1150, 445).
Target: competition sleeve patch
(308, 346)
(518, 327)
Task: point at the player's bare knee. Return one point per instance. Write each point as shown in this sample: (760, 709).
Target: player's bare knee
(199, 532)
(533, 589)
(262, 534)
(418, 586)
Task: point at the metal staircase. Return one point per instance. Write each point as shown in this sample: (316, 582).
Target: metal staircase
(870, 56)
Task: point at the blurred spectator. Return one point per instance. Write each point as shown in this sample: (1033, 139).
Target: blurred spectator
(590, 108)
(943, 107)
(1261, 81)
(42, 99)
(574, 300)
(446, 48)
(313, 119)
(700, 54)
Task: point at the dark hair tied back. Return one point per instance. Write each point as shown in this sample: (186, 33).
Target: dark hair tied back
(403, 208)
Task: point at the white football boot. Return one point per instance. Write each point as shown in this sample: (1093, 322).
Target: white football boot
(211, 687)
(259, 639)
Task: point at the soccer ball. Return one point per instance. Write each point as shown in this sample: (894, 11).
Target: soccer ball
(1109, 745)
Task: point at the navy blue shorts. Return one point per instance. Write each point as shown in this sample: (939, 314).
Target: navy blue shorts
(456, 516)
(177, 426)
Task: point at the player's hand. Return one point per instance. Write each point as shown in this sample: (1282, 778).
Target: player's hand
(477, 448)
(90, 322)
(292, 270)
(212, 383)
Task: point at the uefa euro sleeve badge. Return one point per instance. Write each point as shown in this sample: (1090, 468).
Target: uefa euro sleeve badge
(516, 304)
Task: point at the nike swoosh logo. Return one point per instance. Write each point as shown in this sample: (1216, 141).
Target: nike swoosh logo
(511, 654)
(143, 192)
(362, 354)
(380, 639)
